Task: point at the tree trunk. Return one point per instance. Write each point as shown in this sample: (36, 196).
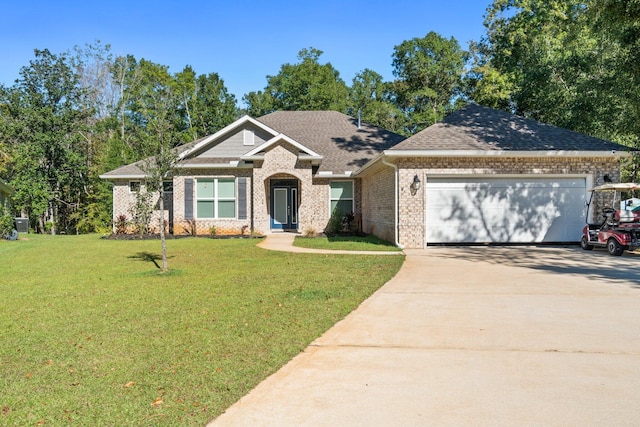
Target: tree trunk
(163, 241)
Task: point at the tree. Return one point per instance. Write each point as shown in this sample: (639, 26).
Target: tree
(214, 107)
(156, 109)
(484, 84)
(44, 118)
(618, 20)
(555, 65)
(428, 75)
(307, 85)
(369, 96)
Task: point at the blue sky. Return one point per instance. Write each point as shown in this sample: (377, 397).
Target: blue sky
(243, 41)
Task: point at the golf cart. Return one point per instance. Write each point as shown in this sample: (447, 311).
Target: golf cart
(620, 226)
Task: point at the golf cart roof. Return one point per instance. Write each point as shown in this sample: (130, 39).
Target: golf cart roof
(621, 186)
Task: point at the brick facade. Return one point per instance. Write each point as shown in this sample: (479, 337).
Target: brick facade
(280, 162)
(411, 207)
(223, 226)
(378, 202)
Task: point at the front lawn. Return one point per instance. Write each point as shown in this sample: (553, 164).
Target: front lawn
(347, 243)
(91, 334)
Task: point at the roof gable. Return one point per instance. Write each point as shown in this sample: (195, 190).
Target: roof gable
(478, 128)
(276, 140)
(333, 141)
(206, 143)
(343, 145)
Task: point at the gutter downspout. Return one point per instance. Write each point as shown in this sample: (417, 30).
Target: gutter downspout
(396, 190)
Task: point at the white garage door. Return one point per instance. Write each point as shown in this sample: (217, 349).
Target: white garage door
(503, 210)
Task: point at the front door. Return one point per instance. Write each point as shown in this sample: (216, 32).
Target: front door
(284, 204)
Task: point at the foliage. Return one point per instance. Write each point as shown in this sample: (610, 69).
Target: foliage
(121, 224)
(127, 338)
(307, 85)
(371, 97)
(565, 62)
(6, 222)
(335, 223)
(142, 211)
(428, 74)
(44, 116)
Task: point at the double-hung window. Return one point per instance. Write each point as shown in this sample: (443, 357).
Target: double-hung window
(216, 198)
(341, 196)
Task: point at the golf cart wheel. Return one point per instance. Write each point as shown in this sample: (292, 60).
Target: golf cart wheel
(614, 247)
(584, 244)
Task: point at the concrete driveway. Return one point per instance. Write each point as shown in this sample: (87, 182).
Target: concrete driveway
(491, 336)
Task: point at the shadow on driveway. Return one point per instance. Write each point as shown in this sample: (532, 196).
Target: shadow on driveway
(596, 265)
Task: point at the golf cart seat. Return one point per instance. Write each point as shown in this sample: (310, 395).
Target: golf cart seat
(627, 216)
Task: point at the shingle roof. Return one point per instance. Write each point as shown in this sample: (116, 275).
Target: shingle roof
(479, 128)
(135, 169)
(333, 135)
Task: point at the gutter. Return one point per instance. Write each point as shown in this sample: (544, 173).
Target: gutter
(502, 153)
(112, 177)
(396, 226)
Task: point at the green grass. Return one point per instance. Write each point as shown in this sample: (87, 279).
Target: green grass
(92, 334)
(348, 243)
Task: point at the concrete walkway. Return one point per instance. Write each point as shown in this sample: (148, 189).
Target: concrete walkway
(284, 242)
(472, 336)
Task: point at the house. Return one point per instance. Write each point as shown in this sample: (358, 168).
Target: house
(5, 195)
(284, 171)
(480, 176)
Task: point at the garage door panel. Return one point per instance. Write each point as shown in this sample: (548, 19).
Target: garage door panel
(504, 210)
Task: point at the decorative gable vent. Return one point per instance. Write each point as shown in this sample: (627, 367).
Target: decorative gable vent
(249, 137)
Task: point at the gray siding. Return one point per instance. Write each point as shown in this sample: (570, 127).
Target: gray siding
(234, 146)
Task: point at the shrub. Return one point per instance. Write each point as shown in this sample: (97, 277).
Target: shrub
(6, 222)
(141, 212)
(334, 226)
(121, 224)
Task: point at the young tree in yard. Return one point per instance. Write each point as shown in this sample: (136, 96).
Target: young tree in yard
(428, 74)
(157, 105)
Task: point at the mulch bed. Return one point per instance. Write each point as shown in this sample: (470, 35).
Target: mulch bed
(175, 236)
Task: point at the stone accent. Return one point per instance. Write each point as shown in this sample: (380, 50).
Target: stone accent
(412, 206)
(281, 161)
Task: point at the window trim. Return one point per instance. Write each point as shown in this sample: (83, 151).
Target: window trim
(131, 191)
(216, 199)
(352, 198)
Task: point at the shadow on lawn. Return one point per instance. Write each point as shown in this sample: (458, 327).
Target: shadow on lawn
(148, 257)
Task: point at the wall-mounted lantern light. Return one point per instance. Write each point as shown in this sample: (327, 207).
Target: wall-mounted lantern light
(415, 186)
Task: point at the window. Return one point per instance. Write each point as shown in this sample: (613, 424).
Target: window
(134, 186)
(167, 186)
(341, 196)
(216, 198)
